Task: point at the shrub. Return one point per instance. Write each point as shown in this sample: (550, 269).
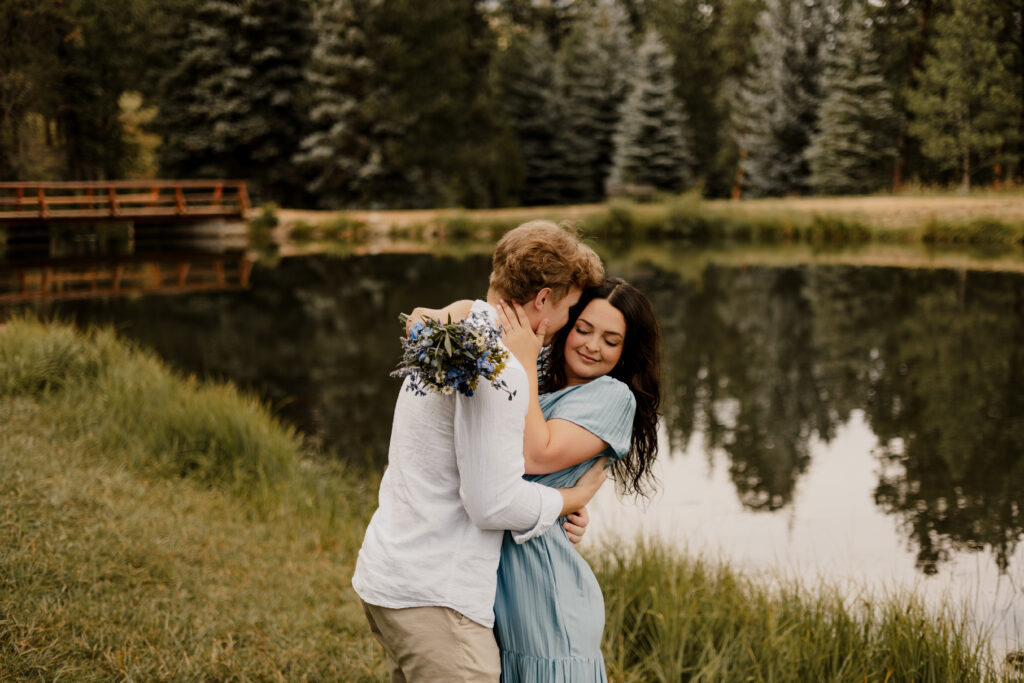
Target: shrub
(834, 229)
(301, 231)
(266, 219)
(459, 227)
(344, 228)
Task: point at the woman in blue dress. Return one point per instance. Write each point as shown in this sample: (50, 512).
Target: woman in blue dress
(597, 395)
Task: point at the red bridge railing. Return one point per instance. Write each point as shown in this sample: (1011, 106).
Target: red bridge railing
(134, 199)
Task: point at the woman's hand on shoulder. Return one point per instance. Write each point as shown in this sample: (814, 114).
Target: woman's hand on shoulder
(457, 310)
(519, 337)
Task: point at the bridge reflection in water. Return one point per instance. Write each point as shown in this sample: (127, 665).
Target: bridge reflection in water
(87, 277)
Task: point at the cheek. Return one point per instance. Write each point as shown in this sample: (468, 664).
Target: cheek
(613, 354)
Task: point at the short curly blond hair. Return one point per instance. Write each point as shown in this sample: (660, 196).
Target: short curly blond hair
(540, 254)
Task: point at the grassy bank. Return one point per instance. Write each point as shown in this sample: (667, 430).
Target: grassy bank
(157, 527)
(989, 221)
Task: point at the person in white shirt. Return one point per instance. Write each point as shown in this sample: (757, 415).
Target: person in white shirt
(426, 572)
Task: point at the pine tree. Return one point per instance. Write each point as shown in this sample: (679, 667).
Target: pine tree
(188, 110)
(776, 105)
(232, 106)
(276, 40)
(710, 42)
(444, 143)
(1012, 41)
(595, 62)
(651, 146)
(967, 102)
(901, 30)
(856, 140)
(528, 89)
(339, 154)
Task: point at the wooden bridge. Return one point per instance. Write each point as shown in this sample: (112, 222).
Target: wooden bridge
(136, 200)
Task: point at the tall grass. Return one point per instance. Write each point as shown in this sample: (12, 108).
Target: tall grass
(675, 618)
(155, 527)
(114, 397)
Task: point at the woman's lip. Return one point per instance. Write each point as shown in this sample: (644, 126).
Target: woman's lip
(586, 357)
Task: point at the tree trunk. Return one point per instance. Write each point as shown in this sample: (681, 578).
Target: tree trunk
(997, 169)
(1020, 124)
(737, 185)
(901, 159)
(965, 184)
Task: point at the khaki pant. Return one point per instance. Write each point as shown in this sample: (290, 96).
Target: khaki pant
(428, 644)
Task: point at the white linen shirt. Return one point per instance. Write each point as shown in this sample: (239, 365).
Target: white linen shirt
(452, 486)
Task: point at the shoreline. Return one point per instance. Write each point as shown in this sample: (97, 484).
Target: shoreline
(992, 223)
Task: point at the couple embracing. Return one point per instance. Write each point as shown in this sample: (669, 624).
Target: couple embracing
(464, 572)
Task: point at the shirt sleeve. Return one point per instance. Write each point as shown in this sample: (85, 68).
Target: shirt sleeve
(489, 454)
(605, 408)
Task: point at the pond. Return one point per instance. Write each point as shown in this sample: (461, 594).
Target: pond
(863, 423)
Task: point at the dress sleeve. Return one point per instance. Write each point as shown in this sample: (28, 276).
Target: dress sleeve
(604, 407)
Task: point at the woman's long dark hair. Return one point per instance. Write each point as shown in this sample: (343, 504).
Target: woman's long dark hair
(639, 368)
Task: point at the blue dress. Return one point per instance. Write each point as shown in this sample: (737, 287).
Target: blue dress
(549, 612)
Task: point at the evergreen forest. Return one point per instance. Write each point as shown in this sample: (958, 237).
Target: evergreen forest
(485, 103)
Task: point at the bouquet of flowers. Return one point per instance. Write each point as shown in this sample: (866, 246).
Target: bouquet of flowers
(449, 357)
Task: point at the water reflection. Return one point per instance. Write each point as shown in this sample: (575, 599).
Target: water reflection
(762, 362)
(316, 336)
(51, 279)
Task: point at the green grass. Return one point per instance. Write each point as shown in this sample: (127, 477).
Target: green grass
(156, 527)
(689, 220)
(672, 618)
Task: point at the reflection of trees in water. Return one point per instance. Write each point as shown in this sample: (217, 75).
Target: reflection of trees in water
(316, 337)
(740, 365)
(949, 410)
(763, 359)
